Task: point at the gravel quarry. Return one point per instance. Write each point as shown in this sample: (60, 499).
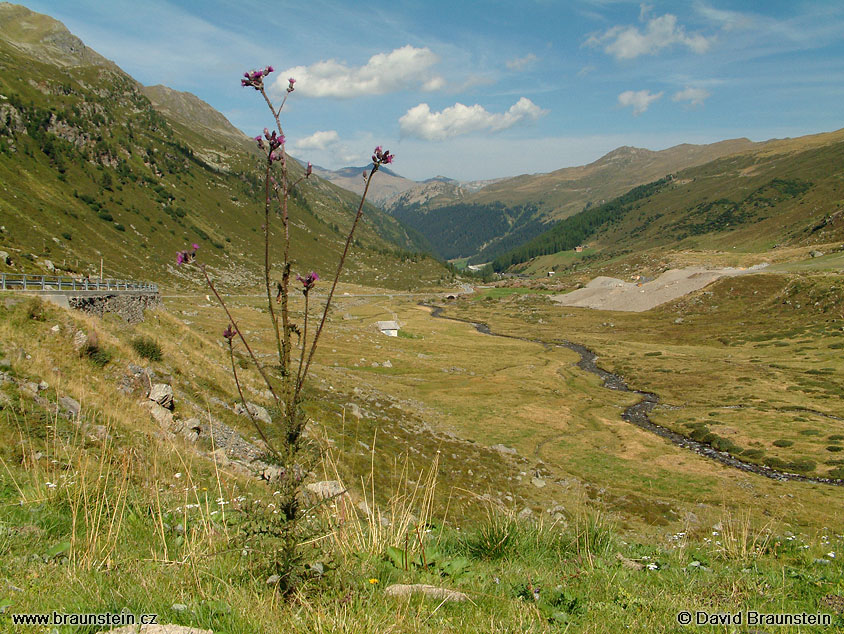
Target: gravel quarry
(609, 293)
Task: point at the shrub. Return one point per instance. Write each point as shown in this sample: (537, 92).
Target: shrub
(96, 355)
(781, 442)
(835, 437)
(66, 235)
(834, 448)
(147, 348)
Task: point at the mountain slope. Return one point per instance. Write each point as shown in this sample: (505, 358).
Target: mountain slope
(90, 169)
(783, 192)
(538, 200)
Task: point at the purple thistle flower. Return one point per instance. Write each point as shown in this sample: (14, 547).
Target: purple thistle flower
(308, 281)
(310, 169)
(195, 247)
(180, 257)
(229, 333)
(290, 82)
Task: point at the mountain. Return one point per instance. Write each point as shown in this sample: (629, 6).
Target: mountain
(504, 213)
(94, 165)
(387, 186)
(783, 192)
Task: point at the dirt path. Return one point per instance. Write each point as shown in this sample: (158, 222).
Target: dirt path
(638, 413)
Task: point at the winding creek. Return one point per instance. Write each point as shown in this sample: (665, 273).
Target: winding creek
(638, 413)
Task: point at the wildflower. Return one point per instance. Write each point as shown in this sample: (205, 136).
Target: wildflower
(260, 142)
(308, 281)
(290, 82)
(186, 257)
(255, 78)
(373, 581)
(229, 332)
(381, 156)
(310, 169)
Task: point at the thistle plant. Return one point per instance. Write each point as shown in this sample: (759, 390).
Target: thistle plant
(286, 379)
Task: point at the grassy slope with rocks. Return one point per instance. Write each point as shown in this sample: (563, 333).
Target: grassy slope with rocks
(91, 169)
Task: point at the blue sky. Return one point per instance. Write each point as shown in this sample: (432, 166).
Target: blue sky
(485, 89)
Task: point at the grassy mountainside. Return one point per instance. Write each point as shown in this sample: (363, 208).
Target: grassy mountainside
(786, 193)
(91, 169)
(509, 212)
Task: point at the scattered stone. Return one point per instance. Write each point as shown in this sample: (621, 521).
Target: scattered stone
(162, 394)
(679, 320)
(815, 254)
(432, 592)
(80, 340)
(43, 385)
(257, 411)
(537, 482)
(56, 329)
(179, 607)
(273, 579)
(354, 410)
(629, 563)
(326, 489)
(387, 364)
(503, 449)
(49, 265)
(70, 405)
(525, 514)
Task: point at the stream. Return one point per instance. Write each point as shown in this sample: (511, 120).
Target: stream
(638, 413)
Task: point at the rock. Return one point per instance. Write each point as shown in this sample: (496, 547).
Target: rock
(387, 364)
(178, 607)
(503, 449)
(49, 265)
(70, 405)
(679, 320)
(56, 329)
(539, 483)
(432, 592)
(525, 514)
(162, 416)
(326, 489)
(629, 563)
(354, 410)
(162, 394)
(273, 579)
(272, 473)
(156, 629)
(43, 385)
(815, 254)
(257, 411)
(80, 340)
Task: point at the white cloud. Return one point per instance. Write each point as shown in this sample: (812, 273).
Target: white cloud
(639, 100)
(400, 69)
(459, 119)
(695, 96)
(521, 63)
(629, 42)
(319, 140)
(729, 20)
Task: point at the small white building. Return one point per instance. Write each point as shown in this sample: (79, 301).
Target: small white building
(389, 328)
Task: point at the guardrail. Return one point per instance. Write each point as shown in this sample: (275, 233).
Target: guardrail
(24, 282)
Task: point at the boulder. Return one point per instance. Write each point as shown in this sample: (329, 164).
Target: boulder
(504, 450)
(432, 592)
(162, 394)
(70, 405)
(162, 416)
